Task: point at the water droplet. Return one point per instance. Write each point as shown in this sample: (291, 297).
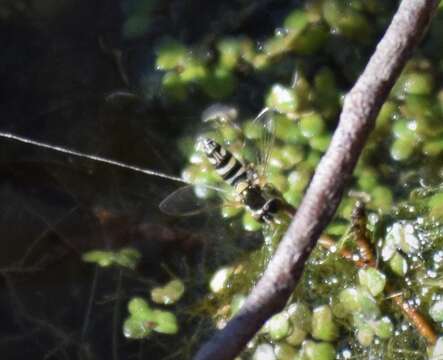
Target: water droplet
(346, 353)
(431, 273)
(280, 32)
(412, 125)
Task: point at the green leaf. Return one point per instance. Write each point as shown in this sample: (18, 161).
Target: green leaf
(128, 257)
(282, 99)
(296, 21)
(436, 311)
(323, 326)
(383, 328)
(100, 257)
(139, 308)
(170, 54)
(365, 335)
(164, 322)
(373, 280)
(278, 326)
(134, 329)
(168, 294)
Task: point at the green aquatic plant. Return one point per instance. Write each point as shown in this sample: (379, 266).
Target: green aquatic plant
(126, 257)
(302, 32)
(168, 294)
(309, 63)
(143, 320)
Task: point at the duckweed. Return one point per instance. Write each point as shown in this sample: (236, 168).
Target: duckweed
(403, 148)
(323, 325)
(300, 316)
(264, 352)
(372, 279)
(382, 198)
(282, 99)
(435, 205)
(436, 311)
(253, 129)
(407, 136)
(365, 336)
(383, 328)
(318, 351)
(230, 52)
(143, 320)
(437, 352)
(298, 179)
(350, 298)
(220, 279)
(296, 336)
(398, 264)
(278, 327)
(219, 83)
(402, 235)
(417, 83)
(284, 352)
(359, 301)
(193, 71)
(170, 55)
(168, 294)
(311, 125)
(433, 148)
(296, 21)
(320, 143)
(126, 257)
(138, 307)
(166, 322)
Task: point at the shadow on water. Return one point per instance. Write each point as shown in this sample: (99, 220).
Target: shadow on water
(58, 71)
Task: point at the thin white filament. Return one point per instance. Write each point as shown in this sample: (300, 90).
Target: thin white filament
(97, 158)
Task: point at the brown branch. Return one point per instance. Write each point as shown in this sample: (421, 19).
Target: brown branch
(325, 191)
(416, 318)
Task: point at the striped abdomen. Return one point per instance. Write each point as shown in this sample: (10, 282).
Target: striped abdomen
(227, 166)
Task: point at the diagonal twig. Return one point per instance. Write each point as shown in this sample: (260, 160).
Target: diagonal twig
(357, 119)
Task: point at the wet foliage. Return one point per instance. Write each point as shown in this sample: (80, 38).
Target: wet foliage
(92, 269)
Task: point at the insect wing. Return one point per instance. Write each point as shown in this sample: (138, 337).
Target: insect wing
(222, 119)
(220, 114)
(185, 202)
(265, 121)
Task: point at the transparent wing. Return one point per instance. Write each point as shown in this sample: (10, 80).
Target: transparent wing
(265, 121)
(220, 114)
(185, 202)
(224, 120)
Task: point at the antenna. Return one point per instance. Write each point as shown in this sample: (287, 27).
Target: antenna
(97, 158)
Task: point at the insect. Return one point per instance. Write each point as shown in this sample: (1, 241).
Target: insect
(246, 179)
(359, 220)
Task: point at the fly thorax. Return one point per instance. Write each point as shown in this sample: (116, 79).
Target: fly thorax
(253, 198)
